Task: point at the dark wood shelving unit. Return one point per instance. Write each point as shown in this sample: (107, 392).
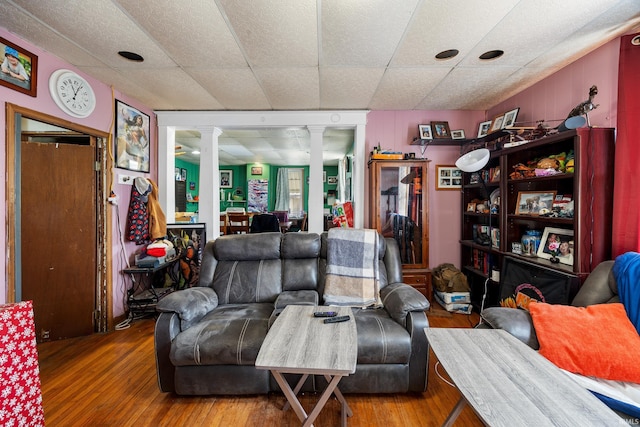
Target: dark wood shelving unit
(590, 186)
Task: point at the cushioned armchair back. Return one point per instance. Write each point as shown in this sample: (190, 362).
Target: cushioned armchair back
(248, 268)
(300, 252)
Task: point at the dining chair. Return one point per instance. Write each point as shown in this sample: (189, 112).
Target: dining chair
(263, 223)
(238, 223)
(223, 224)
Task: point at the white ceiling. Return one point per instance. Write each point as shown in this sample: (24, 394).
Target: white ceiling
(319, 54)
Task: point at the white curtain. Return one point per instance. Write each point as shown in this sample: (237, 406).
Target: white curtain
(282, 190)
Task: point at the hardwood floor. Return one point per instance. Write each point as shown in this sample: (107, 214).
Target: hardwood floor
(109, 380)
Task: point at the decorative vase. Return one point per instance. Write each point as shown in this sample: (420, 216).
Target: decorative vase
(554, 259)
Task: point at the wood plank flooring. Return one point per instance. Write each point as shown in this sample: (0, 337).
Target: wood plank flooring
(109, 380)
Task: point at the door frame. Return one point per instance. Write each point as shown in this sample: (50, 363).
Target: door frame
(103, 320)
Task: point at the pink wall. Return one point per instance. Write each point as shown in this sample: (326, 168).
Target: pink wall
(395, 130)
(555, 96)
(100, 119)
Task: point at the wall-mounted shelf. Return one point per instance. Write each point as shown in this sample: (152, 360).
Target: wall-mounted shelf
(461, 142)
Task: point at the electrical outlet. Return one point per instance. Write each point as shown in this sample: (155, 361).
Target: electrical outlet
(125, 179)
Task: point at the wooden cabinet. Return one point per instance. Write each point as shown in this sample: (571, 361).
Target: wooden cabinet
(399, 209)
(486, 237)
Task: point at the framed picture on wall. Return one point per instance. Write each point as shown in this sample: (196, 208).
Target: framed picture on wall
(19, 68)
(448, 178)
(226, 178)
(256, 170)
(132, 138)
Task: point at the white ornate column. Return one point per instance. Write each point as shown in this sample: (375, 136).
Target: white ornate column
(315, 216)
(166, 168)
(209, 191)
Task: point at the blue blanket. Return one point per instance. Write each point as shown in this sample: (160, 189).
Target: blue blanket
(626, 270)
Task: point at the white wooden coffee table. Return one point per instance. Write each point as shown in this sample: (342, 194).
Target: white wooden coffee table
(509, 384)
(299, 343)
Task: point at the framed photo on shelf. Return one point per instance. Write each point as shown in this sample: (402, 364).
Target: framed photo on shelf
(563, 237)
(471, 207)
(496, 123)
(448, 178)
(483, 128)
(531, 202)
(441, 130)
(19, 68)
(457, 134)
(510, 118)
(425, 131)
(226, 179)
(132, 138)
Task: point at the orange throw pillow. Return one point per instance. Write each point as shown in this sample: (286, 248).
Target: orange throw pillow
(597, 341)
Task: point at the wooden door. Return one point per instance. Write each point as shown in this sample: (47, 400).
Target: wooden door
(58, 236)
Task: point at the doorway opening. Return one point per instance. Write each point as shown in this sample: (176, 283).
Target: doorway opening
(57, 213)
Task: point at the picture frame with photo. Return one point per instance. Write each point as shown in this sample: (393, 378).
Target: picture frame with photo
(457, 134)
(441, 130)
(226, 178)
(256, 170)
(19, 70)
(531, 202)
(483, 128)
(564, 237)
(425, 131)
(131, 138)
(510, 118)
(448, 177)
(496, 123)
(471, 207)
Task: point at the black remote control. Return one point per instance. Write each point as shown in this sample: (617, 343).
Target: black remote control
(325, 314)
(337, 319)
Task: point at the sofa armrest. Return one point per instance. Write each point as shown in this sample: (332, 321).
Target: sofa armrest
(167, 327)
(399, 299)
(190, 304)
(513, 320)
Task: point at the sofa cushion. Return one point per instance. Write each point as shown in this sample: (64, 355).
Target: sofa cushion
(296, 298)
(247, 247)
(598, 340)
(229, 335)
(381, 339)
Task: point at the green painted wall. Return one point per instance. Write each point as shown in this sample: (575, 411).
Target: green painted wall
(240, 176)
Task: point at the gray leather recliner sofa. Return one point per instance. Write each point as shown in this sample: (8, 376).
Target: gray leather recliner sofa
(207, 337)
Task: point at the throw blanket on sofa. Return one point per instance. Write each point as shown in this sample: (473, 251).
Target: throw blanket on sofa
(352, 268)
(626, 270)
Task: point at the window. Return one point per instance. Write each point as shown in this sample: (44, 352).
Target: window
(296, 190)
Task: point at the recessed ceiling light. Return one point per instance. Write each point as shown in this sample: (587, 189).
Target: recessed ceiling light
(447, 54)
(195, 152)
(492, 54)
(635, 41)
(131, 56)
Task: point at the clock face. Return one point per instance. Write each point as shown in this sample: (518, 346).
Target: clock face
(72, 93)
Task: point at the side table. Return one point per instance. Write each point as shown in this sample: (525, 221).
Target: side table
(148, 286)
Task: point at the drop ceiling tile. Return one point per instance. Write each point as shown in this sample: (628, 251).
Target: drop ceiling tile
(290, 88)
(28, 28)
(205, 41)
(235, 88)
(466, 23)
(275, 33)
(104, 36)
(363, 34)
(404, 88)
(345, 88)
(174, 85)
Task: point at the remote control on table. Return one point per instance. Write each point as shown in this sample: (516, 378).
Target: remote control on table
(337, 319)
(325, 314)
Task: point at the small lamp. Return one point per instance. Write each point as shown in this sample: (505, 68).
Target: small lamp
(474, 160)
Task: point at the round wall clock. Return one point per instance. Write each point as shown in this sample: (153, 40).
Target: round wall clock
(72, 93)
